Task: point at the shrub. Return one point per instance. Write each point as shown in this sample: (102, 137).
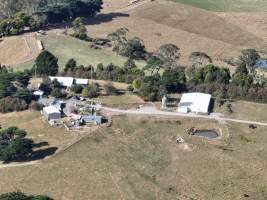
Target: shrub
(21, 196)
(76, 89)
(11, 104)
(36, 106)
(110, 89)
(57, 93)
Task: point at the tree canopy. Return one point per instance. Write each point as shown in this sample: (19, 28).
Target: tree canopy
(46, 64)
(13, 144)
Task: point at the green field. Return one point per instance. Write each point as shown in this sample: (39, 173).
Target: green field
(64, 48)
(138, 158)
(228, 5)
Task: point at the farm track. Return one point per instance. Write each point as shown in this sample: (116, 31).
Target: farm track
(154, 112)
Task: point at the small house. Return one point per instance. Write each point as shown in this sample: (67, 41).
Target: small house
(51, 113)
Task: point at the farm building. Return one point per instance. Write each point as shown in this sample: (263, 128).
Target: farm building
(194, 102)
(92, 119)
(51, 113)
(80, 81)
(69, 81)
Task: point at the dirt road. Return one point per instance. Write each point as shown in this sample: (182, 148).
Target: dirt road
(153, 111)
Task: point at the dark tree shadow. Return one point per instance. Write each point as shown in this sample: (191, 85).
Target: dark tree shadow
(98, 19)
(104, 18)
(212, 105)
(36, 154)
(40, 144)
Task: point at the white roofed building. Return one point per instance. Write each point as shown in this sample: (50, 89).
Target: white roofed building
(194, 102)
(80, 81)
(51, 113)
(64, 81)
(69, 81)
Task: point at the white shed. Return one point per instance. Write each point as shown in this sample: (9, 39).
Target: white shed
(64, 81)
(51, 112)
(194, 102)
(80, 81)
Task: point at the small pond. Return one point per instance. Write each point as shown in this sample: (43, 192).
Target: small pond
(206, 133)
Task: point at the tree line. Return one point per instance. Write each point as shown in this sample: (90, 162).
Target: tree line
(162, 75)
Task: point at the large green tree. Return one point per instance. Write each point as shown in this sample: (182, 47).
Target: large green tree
(14, 144)
(46, 64)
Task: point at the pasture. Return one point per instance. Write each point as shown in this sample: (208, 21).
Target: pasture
(66, 47)
(138, 158)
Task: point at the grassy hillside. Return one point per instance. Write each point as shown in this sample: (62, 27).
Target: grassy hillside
(228, 5)
(64, 48)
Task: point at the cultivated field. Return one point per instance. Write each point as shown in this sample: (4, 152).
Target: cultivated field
(138, 158)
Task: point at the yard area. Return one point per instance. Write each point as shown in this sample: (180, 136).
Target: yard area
(48, 139)
(138, 158)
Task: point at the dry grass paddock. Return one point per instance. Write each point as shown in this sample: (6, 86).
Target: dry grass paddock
(18, 49)
(138, 158)
(50, 139)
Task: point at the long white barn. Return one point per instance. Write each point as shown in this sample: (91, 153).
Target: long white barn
(69, 81)
(194, 102)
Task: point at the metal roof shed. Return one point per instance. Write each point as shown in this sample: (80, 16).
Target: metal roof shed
(51, 112)
(64, 81)
(80, 81)
(195, 102)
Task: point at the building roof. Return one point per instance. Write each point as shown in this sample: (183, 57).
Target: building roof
(80, 81)
(64, 81)
(68, 81)
(197, 102)
(51, 109)
(38, 93)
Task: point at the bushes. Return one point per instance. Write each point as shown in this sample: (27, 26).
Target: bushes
(11, 104)
(57, 93)
(110, 89)
(22, 196)
(17, 23)
(36, 106)
(90, 91)
(77, 89)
